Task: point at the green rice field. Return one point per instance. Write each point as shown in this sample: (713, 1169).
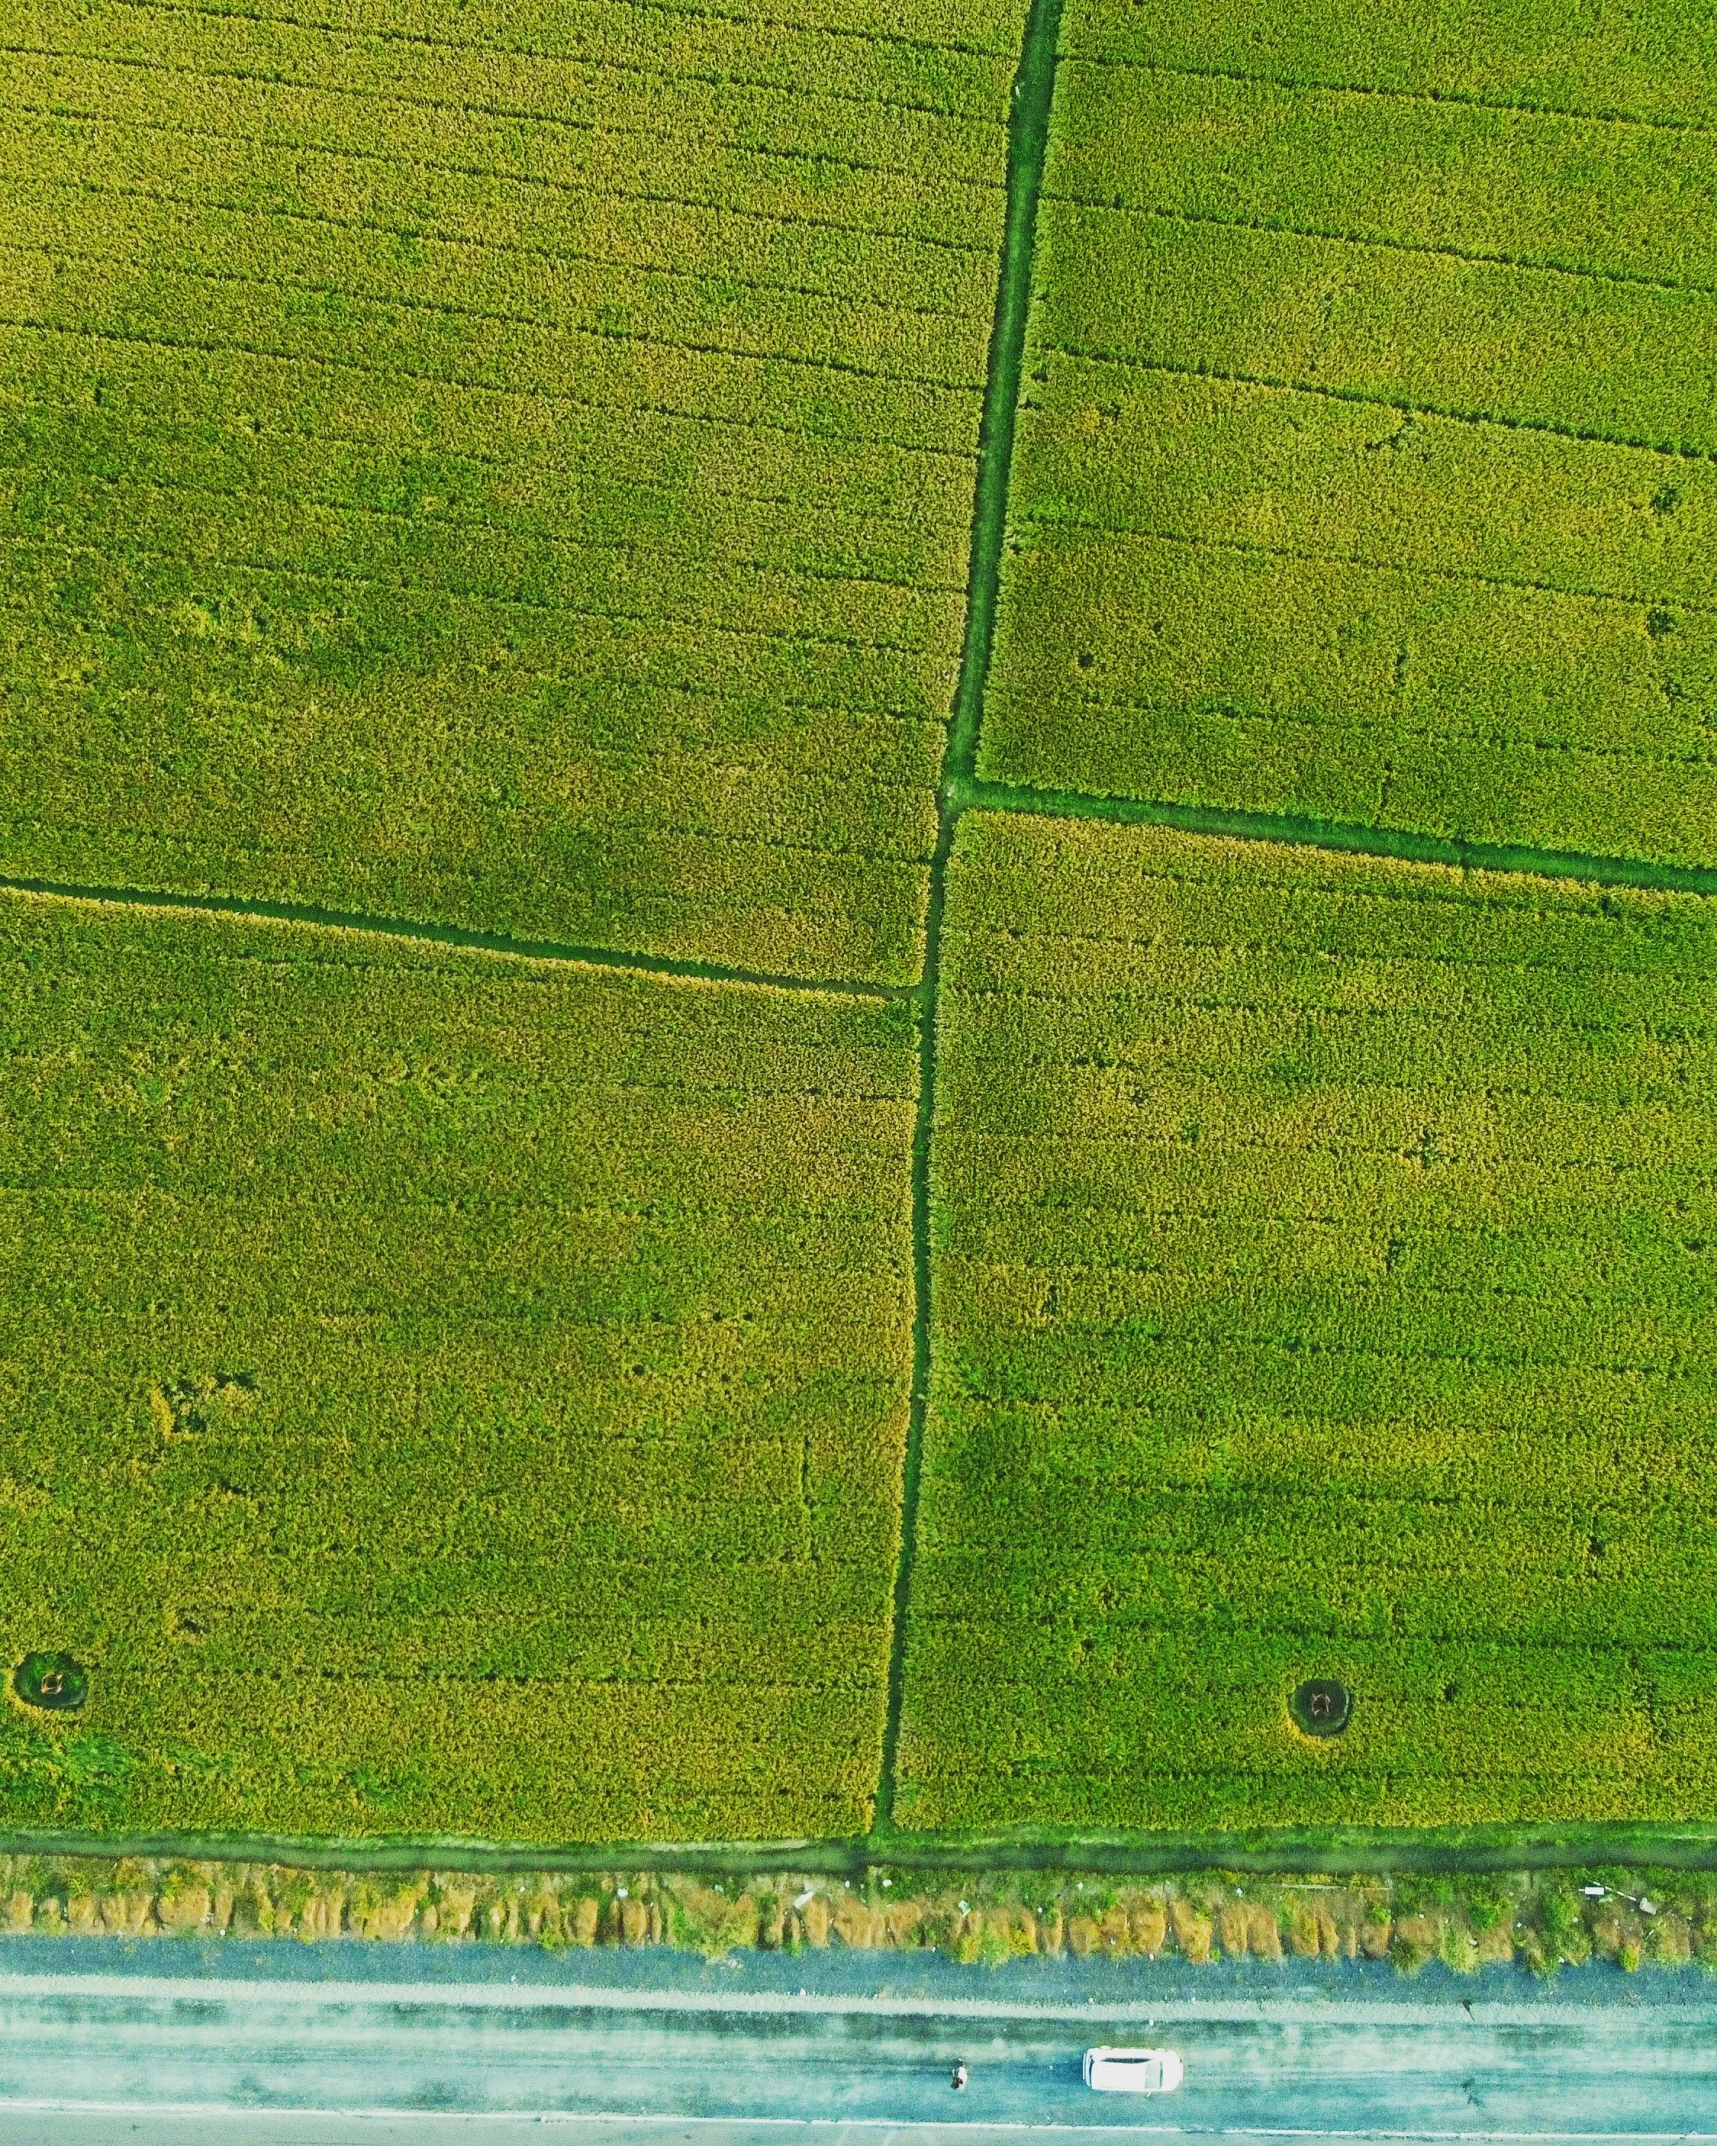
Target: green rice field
(856, 884)
(1367, 467)
(509, 467)
(1326, 1270)
(462, 1392)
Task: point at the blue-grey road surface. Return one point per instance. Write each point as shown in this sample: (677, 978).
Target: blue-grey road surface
(166, 2042)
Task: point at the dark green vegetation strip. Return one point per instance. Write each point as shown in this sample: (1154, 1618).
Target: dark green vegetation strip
(1323, 1283)
(513, 474)
(447, 935)
(1356, 1851)
(1320, 834)
(1028, 138)
(1032, 94)
(1330, 501)
(444, 1392)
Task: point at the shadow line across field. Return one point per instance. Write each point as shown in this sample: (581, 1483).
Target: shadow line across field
(1402, 844)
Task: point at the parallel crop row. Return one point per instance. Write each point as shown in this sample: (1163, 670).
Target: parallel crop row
(510, 470)
(1324, 1287)
(445, 1393)
(1643, 72)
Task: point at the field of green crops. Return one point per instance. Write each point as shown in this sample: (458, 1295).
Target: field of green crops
(737, 1105)
(444, 1388)
(1366, 466)
(507, 465)
(1326, 1271)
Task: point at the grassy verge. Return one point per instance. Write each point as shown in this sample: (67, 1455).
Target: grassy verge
(1542, 1921)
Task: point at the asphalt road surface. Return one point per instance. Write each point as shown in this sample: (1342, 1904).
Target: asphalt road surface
(164, 2043)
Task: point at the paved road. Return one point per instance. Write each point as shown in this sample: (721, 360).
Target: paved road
(119, 2051)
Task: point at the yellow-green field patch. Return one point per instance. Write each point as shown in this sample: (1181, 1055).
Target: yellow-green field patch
(445, 1394)
(509, 468)
(1325, 1287)
(1366, 467)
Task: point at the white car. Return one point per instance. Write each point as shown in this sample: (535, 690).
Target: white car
(1133, 2071)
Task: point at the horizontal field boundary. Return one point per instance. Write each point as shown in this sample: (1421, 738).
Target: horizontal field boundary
(1380, 242)
(1347, 1852)
(1298, 555)
(1400, 845)
(617, 129)
(635, 70)
(547, 325)
(305, 501)
(1455, 413)
(383, 927)
(530, 182)
(452, 238)
(486, 48)
(196, 347)
(1311, 85)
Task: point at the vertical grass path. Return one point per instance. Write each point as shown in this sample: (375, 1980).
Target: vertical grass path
(1028, 138)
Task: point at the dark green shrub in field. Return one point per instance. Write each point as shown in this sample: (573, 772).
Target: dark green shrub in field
(52, 1682)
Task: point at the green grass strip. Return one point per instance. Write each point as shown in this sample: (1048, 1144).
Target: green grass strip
(1399, 843)
(1028, 137)
(1028, 140)
(590, 957)
(1357, 1851)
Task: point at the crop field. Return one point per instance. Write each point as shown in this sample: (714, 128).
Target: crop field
(1367, 466)
(1326, 1269)
(445, 1393)
(742, 1100)
(509, 467)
